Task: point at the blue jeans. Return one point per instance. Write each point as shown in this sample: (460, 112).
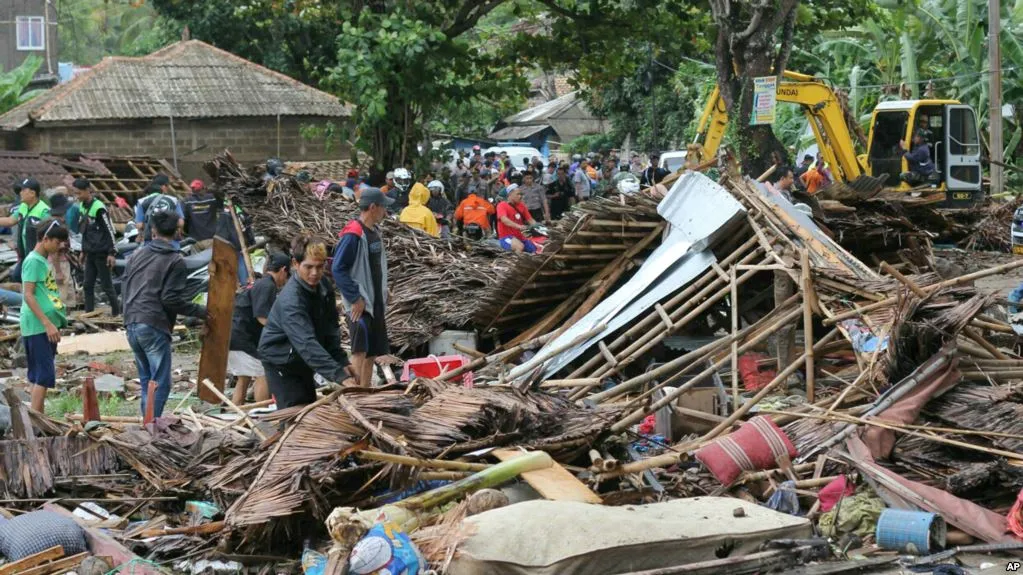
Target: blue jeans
(152, 349)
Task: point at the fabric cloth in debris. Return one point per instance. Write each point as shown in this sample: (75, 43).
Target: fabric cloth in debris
(752, 377)
(857, 514)
(832, 492)
(978, 521)
(881, 441)
(785, 499)
(756, 445)
(37, 531)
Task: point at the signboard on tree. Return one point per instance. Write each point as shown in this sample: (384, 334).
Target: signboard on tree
(764, 100)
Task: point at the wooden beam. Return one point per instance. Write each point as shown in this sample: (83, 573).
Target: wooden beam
(220, 310)
(55, 552)
(59, 566)
(21, 423)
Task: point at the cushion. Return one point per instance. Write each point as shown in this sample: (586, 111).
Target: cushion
(755, 446)
(37, 531)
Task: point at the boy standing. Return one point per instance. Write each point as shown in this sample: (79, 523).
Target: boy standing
(41, 322)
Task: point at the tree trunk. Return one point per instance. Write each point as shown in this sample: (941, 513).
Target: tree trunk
(745, 49)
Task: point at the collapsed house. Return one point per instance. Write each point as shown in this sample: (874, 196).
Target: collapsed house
(719, 343)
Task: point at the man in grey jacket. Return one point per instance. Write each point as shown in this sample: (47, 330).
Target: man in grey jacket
(154, 294)
(360, 271)
(302, 336)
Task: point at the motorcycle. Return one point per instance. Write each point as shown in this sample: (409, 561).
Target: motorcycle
(196, 266)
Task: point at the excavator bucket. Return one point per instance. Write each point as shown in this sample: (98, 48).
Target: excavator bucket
(861, 188)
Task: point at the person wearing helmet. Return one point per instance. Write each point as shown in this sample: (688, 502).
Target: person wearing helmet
(416, 214)
(201, 210)
(402, 186)
(576, 158)
(473, 214)
(440, 206)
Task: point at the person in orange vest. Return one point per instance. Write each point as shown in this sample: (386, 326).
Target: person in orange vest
(473, 215)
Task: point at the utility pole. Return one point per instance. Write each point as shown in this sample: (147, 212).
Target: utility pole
(994, 53)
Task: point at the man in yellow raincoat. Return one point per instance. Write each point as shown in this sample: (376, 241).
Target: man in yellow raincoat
(417, 215)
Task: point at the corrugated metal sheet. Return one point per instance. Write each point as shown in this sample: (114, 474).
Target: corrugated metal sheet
(518, 132)
(186, 80)
(698, 209)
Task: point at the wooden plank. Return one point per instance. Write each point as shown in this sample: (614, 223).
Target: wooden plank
(21, 424)
(104, 545)
(55, 552)
(219, 309)
(94, 343)
(59, 566)
(554, 483)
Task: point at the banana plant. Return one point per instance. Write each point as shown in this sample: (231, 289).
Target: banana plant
(14, 83)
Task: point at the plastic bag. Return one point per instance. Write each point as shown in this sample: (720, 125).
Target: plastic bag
(385, 549)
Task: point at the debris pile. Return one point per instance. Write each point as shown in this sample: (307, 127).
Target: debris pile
(718, 356)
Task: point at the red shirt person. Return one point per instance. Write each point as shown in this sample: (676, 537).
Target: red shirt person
(512, 219)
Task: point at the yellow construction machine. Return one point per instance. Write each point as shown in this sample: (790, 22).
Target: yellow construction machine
(949, 126)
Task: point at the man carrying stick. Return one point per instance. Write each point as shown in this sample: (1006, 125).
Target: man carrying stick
(360, 271)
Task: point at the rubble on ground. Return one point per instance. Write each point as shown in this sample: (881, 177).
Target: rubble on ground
(799, 389)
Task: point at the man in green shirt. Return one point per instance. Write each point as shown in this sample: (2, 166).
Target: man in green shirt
(30, 212)
(43, 313)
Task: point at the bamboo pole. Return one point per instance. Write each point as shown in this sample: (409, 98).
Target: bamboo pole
(244, 415)
(651, 338)
(780, 378)
(643, 325)
(807, 324)
(668, 398)
(928, 289)
(584, 382)
(497, 357)
(679, 363)
(417, 462)
(735, 339)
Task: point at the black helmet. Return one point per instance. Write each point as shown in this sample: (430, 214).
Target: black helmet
(274, 167)
(474, 232)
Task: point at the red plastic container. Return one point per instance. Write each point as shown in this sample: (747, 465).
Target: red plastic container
(433, 365)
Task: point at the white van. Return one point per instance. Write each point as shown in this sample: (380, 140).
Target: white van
(673, 161)
(518, 153)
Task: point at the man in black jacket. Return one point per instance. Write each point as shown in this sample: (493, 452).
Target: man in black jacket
(154, 294)
(654, 173)
(201, 211)
(302, 336)
(97, 246)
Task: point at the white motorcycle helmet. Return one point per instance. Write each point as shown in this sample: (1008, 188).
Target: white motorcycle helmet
(629, 186)
(435, 185)
(402, 180)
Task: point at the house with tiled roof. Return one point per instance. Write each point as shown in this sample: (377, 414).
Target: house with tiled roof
(185, 103)
(547, 126)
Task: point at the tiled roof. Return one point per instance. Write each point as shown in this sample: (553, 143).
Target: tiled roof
(190, 79)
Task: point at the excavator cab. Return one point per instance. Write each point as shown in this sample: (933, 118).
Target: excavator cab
(950, 130)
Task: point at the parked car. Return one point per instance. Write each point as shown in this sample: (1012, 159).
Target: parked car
(518, 153)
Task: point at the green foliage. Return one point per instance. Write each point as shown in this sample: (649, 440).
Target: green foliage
(14, 82)
(93, 29)
(400, 67)
(591, 143)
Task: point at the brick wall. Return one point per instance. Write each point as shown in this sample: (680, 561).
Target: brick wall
(251, 140)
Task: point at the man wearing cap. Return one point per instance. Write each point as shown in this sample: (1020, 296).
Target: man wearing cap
(251, 310)
(158, 200)
(30, 212)
(201, 211)
(98, 241)
(360, 272)
(389, 183)
(154, 289)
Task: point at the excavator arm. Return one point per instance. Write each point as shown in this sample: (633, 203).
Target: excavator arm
(822, 109)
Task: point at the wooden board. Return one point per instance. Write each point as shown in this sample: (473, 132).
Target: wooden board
(554, 483)
(94, 343)
(103, 545)
(55, 552)
(219, 310)
(59, 566)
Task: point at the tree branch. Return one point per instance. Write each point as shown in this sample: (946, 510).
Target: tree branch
(469, 15)
(781, 61)
(553, 6)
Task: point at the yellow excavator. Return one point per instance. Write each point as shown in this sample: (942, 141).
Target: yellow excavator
(949, 126)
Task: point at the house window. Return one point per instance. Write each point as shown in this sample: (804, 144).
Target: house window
(31, 32)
